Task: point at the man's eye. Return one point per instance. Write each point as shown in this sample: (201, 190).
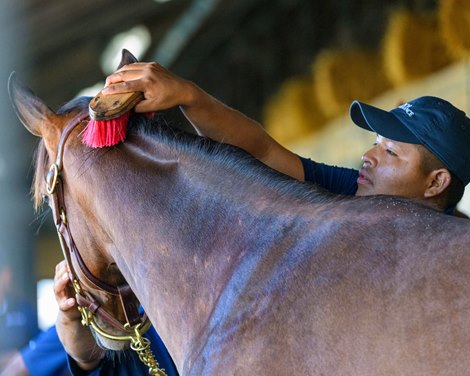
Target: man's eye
(390, 152)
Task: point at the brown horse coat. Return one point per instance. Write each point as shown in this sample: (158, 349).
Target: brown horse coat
(244, 271)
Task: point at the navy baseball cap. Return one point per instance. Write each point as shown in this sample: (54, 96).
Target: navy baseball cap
(430, 121)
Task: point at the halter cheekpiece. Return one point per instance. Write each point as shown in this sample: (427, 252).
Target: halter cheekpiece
(136, 324)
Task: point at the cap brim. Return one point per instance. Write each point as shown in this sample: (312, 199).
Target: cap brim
(381, 122)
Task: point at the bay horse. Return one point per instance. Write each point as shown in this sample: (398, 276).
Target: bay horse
(244, 271)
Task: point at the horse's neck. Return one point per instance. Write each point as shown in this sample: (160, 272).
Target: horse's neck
(180, 230)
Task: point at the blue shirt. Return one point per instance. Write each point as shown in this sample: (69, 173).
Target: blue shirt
(335, 179)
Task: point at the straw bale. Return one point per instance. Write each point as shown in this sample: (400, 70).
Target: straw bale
(293, 111)
(343, 76)
(413, 47)
(454, 18)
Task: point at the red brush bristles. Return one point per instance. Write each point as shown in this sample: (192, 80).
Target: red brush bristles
(101, 133)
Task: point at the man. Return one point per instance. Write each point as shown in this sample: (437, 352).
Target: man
(421, 150)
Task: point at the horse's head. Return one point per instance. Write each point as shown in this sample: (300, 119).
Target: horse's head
(60, 170)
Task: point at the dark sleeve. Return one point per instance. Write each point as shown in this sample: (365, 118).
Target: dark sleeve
(161, 353)
(335, 179)
(128, 363)
(75, 370)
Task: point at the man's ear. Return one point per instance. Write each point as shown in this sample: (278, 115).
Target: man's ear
(439, 180)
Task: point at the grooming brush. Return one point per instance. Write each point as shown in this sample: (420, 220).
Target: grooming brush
(109, 115)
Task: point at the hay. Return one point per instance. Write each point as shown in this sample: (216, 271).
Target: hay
(293, 111)
(343, 76)
(413, 47)
(454, 18)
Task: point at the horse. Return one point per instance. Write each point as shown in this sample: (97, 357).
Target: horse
(245, 271)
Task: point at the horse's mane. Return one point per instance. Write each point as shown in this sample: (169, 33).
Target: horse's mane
(227, 156)
(162, 127)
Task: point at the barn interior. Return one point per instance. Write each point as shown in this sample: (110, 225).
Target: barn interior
(293, 65)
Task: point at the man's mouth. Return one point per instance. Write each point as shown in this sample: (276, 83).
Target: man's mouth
(363, 178)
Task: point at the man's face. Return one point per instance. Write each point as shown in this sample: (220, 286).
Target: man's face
(392, 168)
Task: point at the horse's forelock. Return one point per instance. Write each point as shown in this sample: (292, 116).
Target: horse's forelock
(41, 165)
(78, 103)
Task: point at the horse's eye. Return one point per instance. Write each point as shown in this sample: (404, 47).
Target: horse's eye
(45, 199)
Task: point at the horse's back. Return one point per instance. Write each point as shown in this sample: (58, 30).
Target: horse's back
(369, 295)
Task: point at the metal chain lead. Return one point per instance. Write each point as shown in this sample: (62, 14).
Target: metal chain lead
(141, 346)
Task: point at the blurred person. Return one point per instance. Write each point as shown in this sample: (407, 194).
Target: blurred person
(43, 356)
(18, 320)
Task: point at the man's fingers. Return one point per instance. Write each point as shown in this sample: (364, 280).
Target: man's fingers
(122, 87)
(60, 284)
(61, 265)
(125, 75)
(65, 305)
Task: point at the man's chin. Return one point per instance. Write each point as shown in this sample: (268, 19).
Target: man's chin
(364, 190)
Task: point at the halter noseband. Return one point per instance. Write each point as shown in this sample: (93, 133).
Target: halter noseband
(136, 325)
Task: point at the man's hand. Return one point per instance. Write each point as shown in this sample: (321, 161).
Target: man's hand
(77, 340)
(67, 304)
(162, 89)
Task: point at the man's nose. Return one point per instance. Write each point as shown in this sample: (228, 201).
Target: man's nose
(369, 158)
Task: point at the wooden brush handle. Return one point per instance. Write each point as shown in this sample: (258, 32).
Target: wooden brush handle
(105, 107)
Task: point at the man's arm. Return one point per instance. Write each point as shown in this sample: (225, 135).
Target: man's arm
(210, 117)
(77, 340)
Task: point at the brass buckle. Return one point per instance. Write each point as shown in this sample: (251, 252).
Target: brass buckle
(63, 216)
(52, 177)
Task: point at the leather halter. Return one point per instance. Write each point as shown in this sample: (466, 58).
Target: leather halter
(136, 324)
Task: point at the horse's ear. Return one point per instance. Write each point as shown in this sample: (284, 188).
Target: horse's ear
(31, 110)
(126, 58)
